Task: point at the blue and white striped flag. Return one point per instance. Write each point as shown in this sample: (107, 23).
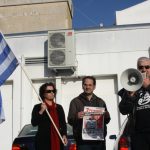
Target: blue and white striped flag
(8, 64)
(2, 116)
(8, 61)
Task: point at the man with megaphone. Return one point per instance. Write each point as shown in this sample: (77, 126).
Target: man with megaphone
(136, 104)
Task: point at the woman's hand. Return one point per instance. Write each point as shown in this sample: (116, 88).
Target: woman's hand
(43, 108)
(65, 139)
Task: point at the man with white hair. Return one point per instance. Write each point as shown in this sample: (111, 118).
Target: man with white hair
(137, 105)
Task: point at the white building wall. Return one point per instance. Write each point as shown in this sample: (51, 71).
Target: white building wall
(110, 47)
(137, 14)
(104, 53)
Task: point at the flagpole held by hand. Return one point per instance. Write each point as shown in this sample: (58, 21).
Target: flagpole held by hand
(42, 102)
(9, 62)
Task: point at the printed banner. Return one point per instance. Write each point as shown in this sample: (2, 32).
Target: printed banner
(93, 123)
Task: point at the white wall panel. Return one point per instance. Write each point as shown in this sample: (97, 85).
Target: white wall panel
(134, 15)
(115, 40)
(6, 128)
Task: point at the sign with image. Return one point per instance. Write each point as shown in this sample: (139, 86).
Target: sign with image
(93, 123)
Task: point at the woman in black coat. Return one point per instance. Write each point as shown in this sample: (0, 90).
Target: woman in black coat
(47, 137)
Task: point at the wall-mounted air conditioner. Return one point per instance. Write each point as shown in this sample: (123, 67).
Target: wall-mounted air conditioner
(61, 49)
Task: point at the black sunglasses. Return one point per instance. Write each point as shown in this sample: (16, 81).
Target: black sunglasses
(49, 91)
(142, 67)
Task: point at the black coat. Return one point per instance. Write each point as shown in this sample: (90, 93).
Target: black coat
(42, 139)
(137, 108)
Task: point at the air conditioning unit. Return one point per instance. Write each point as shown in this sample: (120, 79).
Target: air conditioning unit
(61, 49)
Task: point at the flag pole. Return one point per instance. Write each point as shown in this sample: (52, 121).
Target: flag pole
(11, 62)
(42, 102)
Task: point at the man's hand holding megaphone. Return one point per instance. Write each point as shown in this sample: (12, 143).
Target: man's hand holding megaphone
(146, 80)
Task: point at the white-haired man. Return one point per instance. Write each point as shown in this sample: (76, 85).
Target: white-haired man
(137, 105)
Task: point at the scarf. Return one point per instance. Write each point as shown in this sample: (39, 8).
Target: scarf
(55, 141)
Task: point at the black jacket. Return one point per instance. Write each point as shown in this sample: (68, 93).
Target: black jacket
(127, 107)
(137, 108)
(42, 141)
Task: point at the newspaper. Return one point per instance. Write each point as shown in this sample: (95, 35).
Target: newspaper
(93, 123)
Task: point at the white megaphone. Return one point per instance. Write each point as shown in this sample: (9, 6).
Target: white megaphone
(131, 79)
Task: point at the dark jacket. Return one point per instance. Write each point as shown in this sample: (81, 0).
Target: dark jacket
(77, 105)
(127, 107)
(42, 141)
(137, 108)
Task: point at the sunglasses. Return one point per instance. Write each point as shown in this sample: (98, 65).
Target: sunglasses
(49, 91)
(142, 67)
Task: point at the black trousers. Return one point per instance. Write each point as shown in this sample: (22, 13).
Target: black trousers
(140, 141)
(92, 146)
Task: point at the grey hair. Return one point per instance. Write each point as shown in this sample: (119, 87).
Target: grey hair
(142, 59)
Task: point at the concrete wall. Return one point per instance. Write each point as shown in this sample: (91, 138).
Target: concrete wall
(18, 17)
(18, 2)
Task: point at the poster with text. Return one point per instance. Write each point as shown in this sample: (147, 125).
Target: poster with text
(93, 123)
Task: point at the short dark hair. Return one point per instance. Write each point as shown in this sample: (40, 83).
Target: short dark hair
(43, 88)
(89, 77)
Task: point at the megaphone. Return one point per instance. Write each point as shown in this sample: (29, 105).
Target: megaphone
(131, 79)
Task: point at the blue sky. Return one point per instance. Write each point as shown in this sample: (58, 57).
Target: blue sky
(90, 13)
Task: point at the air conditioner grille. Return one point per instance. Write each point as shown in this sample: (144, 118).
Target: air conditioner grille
(35, 60)
(57, 57)
(57, 40)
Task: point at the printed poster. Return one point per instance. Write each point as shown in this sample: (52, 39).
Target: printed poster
(93, 123)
